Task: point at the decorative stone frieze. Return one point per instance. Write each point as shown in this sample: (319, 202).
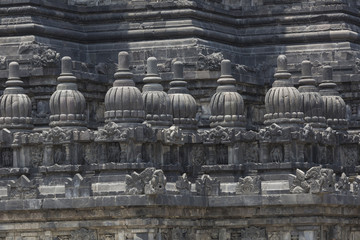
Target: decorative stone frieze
(67, 104)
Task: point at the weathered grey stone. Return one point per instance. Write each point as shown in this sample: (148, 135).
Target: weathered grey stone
(78, 187)
(22, 188)
(15, 105)
(150, 181)
(156, 101)
(315, 180)
(249, 185)
(227, 106)
(183, 105)
(335, 109)
(200, 34)
(312, 102)
(123, 102)
(207, 186)
(67, 104)
(283, 101)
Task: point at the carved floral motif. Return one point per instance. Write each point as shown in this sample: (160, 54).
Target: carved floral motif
(173, 135)
(183, 185)
(315, 180)
(149, 181)
(207, 186)
(218, 135)
(343, 185)
(249, 185)
(83, 234)
(22, 188)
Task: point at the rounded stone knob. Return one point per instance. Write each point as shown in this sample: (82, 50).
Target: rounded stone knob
(178, 70)
(328, 73)
(123, 60)
(225, 67)
(14, 70)
(66, 65)
(306, 68)
(152, 65)
(282, 63)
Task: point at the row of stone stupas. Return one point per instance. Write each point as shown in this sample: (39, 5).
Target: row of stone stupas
(126, 106)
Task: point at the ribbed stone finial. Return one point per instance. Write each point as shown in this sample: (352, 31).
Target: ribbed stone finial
(227, 105)
(15, 106)
(67, 104)
(183, 105)
(311, 100)
(283, 100)
(334, 105)
(156, 101)
(123, 102)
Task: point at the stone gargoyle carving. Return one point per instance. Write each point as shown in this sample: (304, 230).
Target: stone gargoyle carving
(315, 180)
(249, 185)
(207, 186)
(150, 181)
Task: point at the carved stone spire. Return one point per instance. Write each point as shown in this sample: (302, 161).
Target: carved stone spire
(183, 105)
(15, 106)
(312, 102)
(67, 104)
(156, 101)
(283, 100)
(123, 102)
(334, 105)
(226, 105)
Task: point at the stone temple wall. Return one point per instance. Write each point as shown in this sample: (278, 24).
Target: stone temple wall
(179, 120)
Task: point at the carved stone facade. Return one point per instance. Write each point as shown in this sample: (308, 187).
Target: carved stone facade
(159, 120)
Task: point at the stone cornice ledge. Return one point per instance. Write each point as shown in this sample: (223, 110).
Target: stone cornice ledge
(128, 201)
